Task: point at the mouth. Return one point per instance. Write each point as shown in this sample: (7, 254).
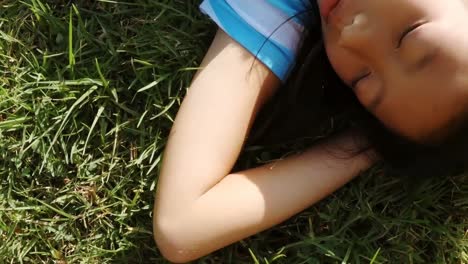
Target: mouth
(326, 7)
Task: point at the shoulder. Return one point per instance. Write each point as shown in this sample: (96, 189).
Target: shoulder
(272, 30)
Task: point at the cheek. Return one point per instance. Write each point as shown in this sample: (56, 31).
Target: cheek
(420, 112)
(406, 117)
(343, 63)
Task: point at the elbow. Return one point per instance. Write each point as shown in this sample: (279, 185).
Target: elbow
(171, 241)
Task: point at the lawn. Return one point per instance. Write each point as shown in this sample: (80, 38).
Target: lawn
(88, 93)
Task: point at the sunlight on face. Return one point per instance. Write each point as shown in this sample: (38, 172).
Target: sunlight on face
(406, 60)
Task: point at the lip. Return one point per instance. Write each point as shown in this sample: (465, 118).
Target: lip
(327, 6)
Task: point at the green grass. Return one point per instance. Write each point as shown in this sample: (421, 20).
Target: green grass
(88, 93)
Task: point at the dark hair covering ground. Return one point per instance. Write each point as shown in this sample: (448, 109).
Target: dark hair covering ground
(315, 97)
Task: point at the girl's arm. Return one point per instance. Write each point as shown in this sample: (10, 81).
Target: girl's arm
(200, 207)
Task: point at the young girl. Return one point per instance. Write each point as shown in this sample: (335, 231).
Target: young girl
(406, 62)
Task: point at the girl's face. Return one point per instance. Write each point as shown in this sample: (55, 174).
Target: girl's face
(406, 60)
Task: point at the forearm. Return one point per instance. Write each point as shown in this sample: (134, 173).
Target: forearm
(248, 202)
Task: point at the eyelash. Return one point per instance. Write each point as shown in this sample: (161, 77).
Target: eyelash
(405, 33)
(355, 82)
(408, 31)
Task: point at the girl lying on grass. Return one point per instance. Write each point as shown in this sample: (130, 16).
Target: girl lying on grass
(403, 61)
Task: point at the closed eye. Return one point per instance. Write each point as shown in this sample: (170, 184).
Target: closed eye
(408, 31)
(356, 81)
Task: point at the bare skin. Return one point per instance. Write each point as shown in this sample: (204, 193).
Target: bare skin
(200, 205)
(406, 60)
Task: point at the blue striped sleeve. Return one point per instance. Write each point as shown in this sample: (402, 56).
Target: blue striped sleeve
(272, 30)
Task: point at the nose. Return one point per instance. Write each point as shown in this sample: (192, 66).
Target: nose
(357, 35)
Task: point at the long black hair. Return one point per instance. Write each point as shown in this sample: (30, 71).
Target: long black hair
(314, 97)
